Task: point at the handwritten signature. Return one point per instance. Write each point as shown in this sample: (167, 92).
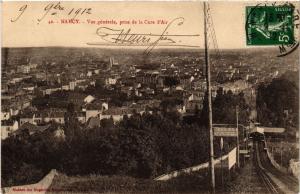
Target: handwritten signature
(125, 37)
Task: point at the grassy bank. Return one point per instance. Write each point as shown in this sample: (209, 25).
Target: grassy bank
(284, 151)
(193, 183)
(197, 182)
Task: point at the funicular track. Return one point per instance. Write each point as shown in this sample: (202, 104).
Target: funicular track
(290, 182)
(270, 186)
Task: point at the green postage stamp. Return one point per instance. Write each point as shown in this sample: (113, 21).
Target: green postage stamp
(269, 25)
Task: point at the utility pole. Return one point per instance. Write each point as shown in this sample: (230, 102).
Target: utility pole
(208, 87)
(281, 153)
(237, 137)
(221, 145)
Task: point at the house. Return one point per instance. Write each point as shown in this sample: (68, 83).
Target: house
(191, 105)
(4, 86)
(196, 95)
(110, 81)
(144, 104)
(116, 113)
(40, 75)
(37, 118)
(127, 90)
(47, 90)
(57, 117)
(14, 111)
(147, 77)
(28, 129)
(82, 85)
(236, 87)
(179, 88)
(93, 122)
(16, 80)
(16, 104)
(160, 81)
(92, 112)
(81, 117)
(89, 73)
(185, 80)
(8, 127)
(89, 99)
(105, 106)
(30, 118)
(51, 90)
(181, 109)
(76, 98)
(65, 87)
(23, 69)
(147, 91)
(273, 130)
(93, 83)
(29, 87)
(5, 115)
(72, 85)
(94, 109)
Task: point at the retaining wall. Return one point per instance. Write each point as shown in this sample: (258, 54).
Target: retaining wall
(176, 173)
(274, 163)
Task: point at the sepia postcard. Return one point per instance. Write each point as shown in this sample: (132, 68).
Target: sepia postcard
(150, 97)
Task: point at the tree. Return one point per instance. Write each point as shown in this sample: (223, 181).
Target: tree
(71, 122)
(224, 108)
(203, 121)
(277, 99)
(107, 123)
(137, 154)
(171, 81)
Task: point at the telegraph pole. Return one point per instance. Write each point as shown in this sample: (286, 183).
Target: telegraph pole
(208, 87)
(237, 137)
(281, 152)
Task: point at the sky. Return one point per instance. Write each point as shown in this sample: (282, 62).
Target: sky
(27, 31)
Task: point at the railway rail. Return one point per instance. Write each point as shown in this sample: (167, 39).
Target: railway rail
(266, 169)
(270, 186)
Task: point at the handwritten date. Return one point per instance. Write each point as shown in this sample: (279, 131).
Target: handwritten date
(54, 8)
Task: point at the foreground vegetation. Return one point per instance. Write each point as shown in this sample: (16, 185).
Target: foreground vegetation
(123, 184)
(278, 103)
(284, 152)
(142, 146)
(195, 182)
